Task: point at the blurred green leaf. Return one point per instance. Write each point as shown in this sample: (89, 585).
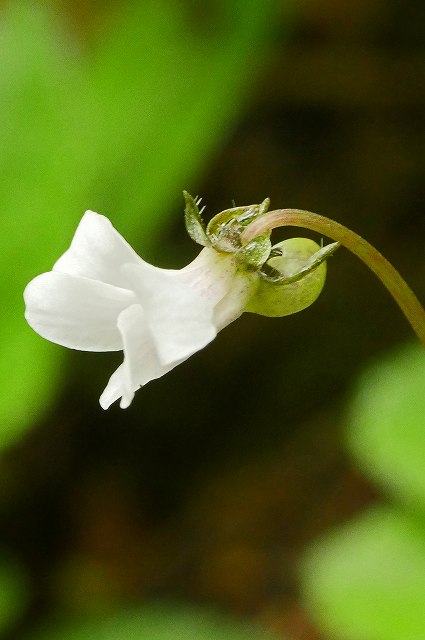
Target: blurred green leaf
(367, 581)
(387, 425)
(155, 623)
(120, 129)
(167, 91)
(35, 170)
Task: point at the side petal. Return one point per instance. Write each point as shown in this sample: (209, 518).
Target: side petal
(141, 363)
(76, 312)
(97, 251)
(179, 317)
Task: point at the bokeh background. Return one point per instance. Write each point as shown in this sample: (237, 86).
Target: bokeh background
(203, 510)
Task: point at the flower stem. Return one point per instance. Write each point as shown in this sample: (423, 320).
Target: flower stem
(390, 278)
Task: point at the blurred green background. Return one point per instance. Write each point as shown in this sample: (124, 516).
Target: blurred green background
(198, 512)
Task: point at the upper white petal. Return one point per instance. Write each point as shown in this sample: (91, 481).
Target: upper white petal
(97, 251)
(179, 318)
(76, 312)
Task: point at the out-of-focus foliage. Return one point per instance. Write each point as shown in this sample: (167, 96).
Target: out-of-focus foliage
(13, 590)
(155, 623)
(367, 581)
(119, 127)
(387, 434)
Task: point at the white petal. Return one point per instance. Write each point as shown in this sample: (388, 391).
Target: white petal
(179, 318)
(97, 251)
(114, 389)
(76, 312)
(217, 278)
(233, 304)
(211, 274)
(141, 363)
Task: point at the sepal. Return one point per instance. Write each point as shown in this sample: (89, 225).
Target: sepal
(253, 255)
(271, 274)
(193, 220)
(226, 228)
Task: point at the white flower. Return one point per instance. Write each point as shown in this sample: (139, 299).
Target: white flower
(101, 296)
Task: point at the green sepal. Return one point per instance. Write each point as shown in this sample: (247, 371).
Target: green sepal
(224, 230)
(276, 300)
(193, 220)
(254, 254)
(271, 274)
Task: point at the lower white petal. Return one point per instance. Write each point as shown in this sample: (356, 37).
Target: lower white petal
(114, 389)
(141, 363)
(75, 312)
(180, 319)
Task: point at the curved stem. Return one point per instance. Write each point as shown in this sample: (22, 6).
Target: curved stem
(390, 278)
